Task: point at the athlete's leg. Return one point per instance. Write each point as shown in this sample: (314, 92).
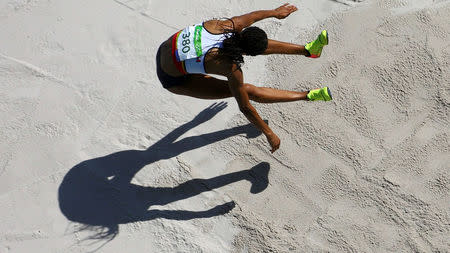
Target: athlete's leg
(279, 47)
(203, 87)
(208, 87)
(270, 95)
(312, 49)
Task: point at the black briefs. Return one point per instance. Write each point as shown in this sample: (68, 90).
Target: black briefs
(166, 80)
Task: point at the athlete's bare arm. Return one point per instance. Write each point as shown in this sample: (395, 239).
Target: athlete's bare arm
(246, 20)
(236, 85)
(238, 23)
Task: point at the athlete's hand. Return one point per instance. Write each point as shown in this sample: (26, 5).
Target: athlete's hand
(274, 141)
(284, 10)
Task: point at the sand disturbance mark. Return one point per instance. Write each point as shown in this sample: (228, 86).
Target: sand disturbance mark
(139, 7)
(371, 173)
(348, 2)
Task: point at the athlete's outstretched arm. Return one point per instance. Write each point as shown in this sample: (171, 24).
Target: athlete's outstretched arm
(246, 20)
(236, 85)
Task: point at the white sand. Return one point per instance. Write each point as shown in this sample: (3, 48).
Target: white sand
(80, 103)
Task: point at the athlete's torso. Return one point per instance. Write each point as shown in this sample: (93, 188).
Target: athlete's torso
(191, 48)
(191, 45)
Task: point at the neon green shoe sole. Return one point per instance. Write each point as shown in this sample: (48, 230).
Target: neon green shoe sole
(315, 47)
(320, 94)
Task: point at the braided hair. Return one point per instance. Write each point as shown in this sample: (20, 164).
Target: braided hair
(250, 41)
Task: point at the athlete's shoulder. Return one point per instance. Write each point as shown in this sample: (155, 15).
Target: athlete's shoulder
(219, 25)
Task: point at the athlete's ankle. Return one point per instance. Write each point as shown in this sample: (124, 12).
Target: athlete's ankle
(304, 52)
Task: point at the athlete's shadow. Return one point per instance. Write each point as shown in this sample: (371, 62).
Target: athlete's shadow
(98, 193)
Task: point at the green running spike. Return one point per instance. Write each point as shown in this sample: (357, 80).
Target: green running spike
(315, 47)
(320, 94)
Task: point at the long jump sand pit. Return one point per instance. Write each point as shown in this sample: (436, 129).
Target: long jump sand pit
(95, 156)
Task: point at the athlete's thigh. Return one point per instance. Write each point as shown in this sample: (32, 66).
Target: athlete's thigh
(203, 86)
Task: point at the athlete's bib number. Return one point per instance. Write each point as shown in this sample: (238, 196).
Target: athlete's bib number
(189, 43)
(186, 42)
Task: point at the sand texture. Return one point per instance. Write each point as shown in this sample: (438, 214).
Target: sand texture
(95, 156)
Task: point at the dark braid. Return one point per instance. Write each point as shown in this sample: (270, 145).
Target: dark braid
(251, 41)
(231, 48)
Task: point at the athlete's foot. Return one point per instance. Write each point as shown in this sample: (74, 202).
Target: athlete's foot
(315, 47)
(320, 94)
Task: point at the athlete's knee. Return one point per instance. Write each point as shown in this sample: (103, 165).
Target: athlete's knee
(254, 92)
(250, 88)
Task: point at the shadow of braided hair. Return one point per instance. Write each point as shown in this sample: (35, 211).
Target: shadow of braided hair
(250, 41)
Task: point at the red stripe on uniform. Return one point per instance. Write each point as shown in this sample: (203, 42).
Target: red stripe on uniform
(178, 64)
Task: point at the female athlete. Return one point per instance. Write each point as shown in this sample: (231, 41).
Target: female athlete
(217, 47)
